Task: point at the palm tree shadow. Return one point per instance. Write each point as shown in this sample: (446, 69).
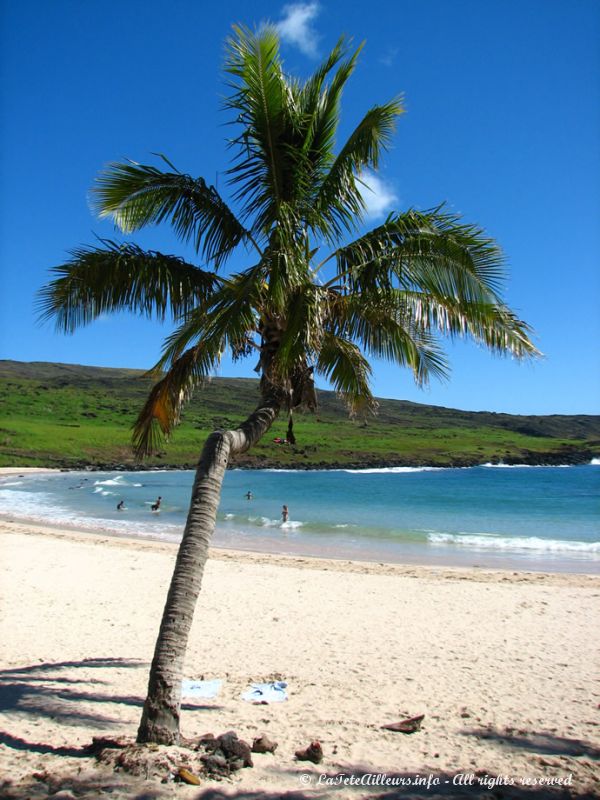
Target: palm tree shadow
(39, 691)
(16, 743)
(540, 743)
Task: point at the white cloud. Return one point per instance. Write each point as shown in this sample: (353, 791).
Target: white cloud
(389, 56)
(379, 196)
(295, 28)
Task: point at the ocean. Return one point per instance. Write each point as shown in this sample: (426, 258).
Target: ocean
(529, 518)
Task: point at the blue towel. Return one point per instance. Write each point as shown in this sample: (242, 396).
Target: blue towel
(273, 692)
(206, 689)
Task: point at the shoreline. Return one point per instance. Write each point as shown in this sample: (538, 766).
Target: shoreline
(500, 665)
(345, 565)
(585, 457)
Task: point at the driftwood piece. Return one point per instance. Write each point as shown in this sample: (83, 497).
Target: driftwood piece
(408, 725)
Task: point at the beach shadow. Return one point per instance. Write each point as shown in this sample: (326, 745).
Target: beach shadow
(90, 785)
(36, 670)
(11, 695)
(546, 744)
(40, 692)
(45, 702)
(35, 691)
(16, 743)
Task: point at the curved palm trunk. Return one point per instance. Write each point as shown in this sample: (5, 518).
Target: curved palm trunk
(160, 717)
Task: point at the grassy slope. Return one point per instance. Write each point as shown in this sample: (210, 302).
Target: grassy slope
(67, 415)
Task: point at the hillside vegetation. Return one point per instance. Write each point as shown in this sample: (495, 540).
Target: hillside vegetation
(73, 416)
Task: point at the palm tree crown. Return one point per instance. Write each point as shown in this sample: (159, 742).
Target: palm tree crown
(313, 298)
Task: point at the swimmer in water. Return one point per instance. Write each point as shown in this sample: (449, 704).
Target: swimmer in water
(121, 505)
(156, 506)
(285, 514)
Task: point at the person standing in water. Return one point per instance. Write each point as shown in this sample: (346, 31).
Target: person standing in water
(156, 506)
(121, 505)
(249, 495)
(285, 514)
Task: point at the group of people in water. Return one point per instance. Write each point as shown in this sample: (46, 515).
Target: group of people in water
(154, 507)
(285, 514)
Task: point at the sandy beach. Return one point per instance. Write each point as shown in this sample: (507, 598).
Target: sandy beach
(502, 665)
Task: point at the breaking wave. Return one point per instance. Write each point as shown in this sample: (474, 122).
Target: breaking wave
(491, 542)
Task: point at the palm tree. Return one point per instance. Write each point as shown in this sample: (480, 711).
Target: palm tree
(387, 293)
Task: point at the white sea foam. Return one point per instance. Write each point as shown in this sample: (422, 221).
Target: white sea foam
(118, 481)
(389, 470)
(291, 524)
(595, 462)
(359, 471)
(12, 483)
(493, 542)
(265, 522)
(27, 504)
(299, 471)
(42, 507)
(104, 492)
(527, 466)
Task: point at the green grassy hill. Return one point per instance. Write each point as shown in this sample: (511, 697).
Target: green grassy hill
(72, 416)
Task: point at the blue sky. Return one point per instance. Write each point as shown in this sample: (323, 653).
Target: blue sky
(502, 123)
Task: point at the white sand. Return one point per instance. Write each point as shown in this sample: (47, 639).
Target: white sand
(25, 470)
(501, 664)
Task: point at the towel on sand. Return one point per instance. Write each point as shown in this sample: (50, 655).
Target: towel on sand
(273, 692)
(206, 689)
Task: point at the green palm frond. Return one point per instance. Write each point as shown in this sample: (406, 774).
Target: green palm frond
(342, 363)
(229, 318)
(136, 195)
(305, 326)
(428, 250)
(122, 277)
(259, 101)
(382, 325)
(162, 409)
(320, 105)
(491, 324)
(338, 203)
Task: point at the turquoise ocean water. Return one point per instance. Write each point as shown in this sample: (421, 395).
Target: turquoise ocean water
(538, 518)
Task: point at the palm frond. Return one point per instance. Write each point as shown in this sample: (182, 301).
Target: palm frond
(122, 277)
(136, 195)
(228, 319)
(162, 409)
(342, 363)
(259, 102)
(320, 106)
(429, 250)
(304, 328)
(384, 328)
(493, 325)
(338, 203)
